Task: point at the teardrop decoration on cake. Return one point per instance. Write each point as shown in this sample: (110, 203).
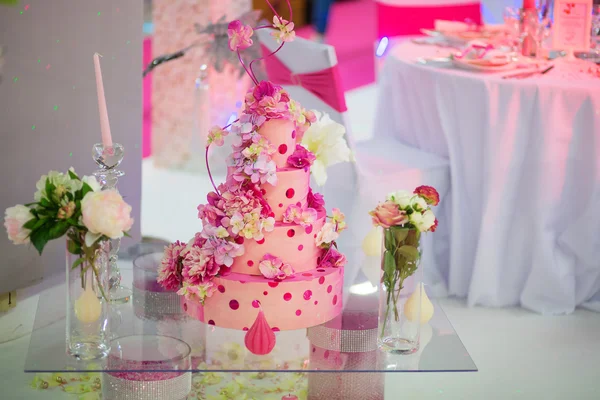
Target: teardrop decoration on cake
(260, 338)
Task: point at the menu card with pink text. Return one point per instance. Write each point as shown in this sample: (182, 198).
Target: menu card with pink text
(572, 24)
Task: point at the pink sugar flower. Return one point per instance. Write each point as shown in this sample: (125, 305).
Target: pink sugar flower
(333, 258)
(326, 235)
(239, 35)
(338, 219)
(169, 272)
(308, 217)
(274, 268)
(224, 251)
(301, 157)
(217, 135)
(199, 292)
(292, 214)
(284, 30)
(315, 200)
(209, 214)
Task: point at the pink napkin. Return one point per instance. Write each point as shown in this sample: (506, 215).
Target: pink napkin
(484, 54)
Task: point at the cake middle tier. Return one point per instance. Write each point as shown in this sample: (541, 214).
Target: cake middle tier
(292, 243)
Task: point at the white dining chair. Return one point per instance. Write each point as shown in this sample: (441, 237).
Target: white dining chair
(381, 165)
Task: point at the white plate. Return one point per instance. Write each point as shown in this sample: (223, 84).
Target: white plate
(483, 68)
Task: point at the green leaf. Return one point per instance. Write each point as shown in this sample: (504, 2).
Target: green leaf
(58, 229)
(49, 188)
(411, 253)
(70, 196)
(39, 238)
(73, 175)
(30, 204)
(400, 233)
(45, 203)
(390, 243)
(85, 189)
(73, 247)
(389, 264)
(77, 262)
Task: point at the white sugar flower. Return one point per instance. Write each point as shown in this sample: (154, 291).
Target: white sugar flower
(401, 197)
(325, 139)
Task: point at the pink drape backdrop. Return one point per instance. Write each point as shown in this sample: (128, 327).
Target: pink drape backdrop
(147, 101)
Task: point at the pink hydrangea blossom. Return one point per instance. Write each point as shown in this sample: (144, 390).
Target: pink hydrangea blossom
(216, 135)
(315, 200)
(267, 100)
(169, 272)
(284, 30)
(332, 258)
(210, 215)
(292, 214)
(224, 251)
(274, 268)
(301, 157)
(199, 292)
(308, 217)
(239, 35)
(198, 266)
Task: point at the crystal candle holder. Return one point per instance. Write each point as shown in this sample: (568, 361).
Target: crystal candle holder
(147, 367)
(150, 299)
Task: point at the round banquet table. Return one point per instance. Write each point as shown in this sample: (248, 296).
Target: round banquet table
(524, 157)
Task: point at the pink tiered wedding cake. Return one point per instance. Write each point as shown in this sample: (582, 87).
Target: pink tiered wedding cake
(266, 258)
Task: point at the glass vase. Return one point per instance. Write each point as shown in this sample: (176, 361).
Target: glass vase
(400, 291)
(88, 297)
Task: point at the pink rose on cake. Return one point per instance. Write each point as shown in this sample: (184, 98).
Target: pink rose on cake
(333, 258)
(274, 268)
(169, 272)
(315, 200)
(301, 158)
(198, 292)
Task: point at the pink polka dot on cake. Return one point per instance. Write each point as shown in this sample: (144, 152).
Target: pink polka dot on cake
(294, 134)
(320, 270)
(265, 293)
(314, 349)
(282, 148)
(275, 329)
(245, 328)
(280, 205)
(255, 303)
(287, 296)
(316, 302)
(329, 288)
(291, 233)
(263, 191)
(300, 247)
(307, 274)
(298, 313)
(290, 193)
(335, 300)
(184, 306)
(307, 295)
(261, 241)
(326, 354)
(234, 305)
(299, 204)
(308, 229)
(211, 322)
(250, 263)
(221, 288)
(321, 280)
(273, 284)
(239, 240)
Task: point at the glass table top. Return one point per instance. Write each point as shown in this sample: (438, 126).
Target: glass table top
(220, 349)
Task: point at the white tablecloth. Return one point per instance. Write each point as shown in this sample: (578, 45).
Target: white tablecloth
(525, 165)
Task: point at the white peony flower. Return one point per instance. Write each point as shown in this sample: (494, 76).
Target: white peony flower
(92, 182)
(423, 222)
(401, 197)
(325, 139)
(428, 220)
(14, 219)
(418, 203)
(105, 213)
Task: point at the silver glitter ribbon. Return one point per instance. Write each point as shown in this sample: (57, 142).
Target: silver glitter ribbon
(115, 388)
(343, 340)
(156, 305)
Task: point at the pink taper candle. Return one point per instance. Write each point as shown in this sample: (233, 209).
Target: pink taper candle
(104, 125)
(528, 4)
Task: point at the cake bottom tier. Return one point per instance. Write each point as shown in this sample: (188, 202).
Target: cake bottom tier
(307, 299)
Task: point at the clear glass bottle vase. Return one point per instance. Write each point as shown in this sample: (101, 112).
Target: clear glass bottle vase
(88, 297)
(400, 291)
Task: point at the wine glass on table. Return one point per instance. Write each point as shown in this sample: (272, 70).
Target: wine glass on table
(512, 21)
(537, 25)
(596, 31)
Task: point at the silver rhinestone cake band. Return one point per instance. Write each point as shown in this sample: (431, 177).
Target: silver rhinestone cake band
(345, 341)
(178, 388)
(346, 386)
(155, 305)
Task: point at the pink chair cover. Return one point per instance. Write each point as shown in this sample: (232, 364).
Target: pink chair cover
(324, 84)
(405, 20)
